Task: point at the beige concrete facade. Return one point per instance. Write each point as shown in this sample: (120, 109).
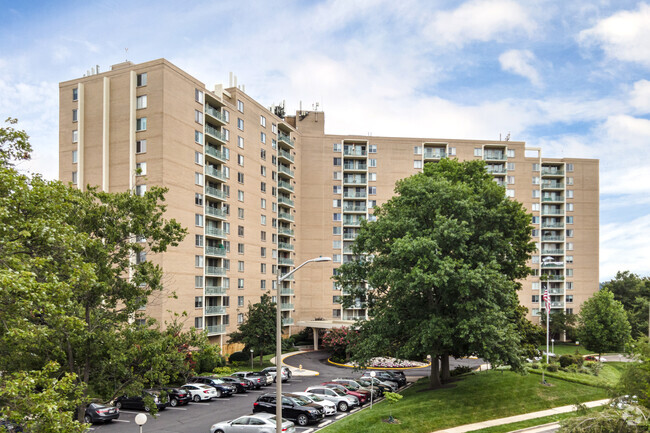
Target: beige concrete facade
(260, 194)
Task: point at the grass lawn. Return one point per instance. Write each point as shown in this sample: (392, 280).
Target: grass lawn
(609, 375)
(565, 349)
(476, 397)
(506, 428)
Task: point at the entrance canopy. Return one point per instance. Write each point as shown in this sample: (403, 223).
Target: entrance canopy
(315, 325)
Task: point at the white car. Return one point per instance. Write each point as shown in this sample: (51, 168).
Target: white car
(199, 391)
(329, 408)
(256, 423)
(342, 400)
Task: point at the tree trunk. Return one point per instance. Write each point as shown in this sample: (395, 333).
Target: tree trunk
(445, 374)
(434, 379)
(261, 358)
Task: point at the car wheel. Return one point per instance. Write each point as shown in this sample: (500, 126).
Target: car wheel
(343, 406)
(88, 419)
(173, 402)
(218, 431)
(302, 420)
(197, 398)
(218, 394)
(118, 405)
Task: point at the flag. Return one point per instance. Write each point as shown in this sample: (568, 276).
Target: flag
(547, 300)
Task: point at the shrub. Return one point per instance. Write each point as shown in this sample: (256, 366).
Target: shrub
(461, 369)
(567, 360)
(223, 371)
(239, 356)
(594, 367)
(208, 359)
(534, 366)
(552, 368)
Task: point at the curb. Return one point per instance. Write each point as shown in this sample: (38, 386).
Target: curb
(295, 370)
(375, 368)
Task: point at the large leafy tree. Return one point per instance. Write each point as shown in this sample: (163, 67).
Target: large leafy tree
(603, 323)
(72, 287)
(258, 329)
(443, 260)
(561, 324)
(634, 293)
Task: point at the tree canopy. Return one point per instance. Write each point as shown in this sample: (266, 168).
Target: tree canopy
(442, 261)
(634, 293)
(258, 329)
(603, 323)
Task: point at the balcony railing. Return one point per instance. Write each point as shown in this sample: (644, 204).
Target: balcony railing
(214, 309)
(355, 180)
(351, 165)
(216, 329)
(286, 170)
(434, 154)
(213, 231)
(286, 321)
(215, 270)
(354, 194)
(215, 113)
(354, 151)
(285, 201)
(499, 156)
(215, 251)
(286, 155)
(215, 290)
(215, 192)
(552, 225)
(209, 150)
(285, 246)
(552, 185)
(213, 172)
(552, 265)
(286, 232)
(284, 307)
(285, 261)
(350, 236)
(552, 171)
(287, 291)
(553, 238)
(496, 169)
(351, 208)
(552, 211)
(556, 291)
(285, 185)
(352, 221)
(284, 138)
(353, 317)
(214, 132)
(215, 212)
(285, 216)
(553, 251)
(553, 198)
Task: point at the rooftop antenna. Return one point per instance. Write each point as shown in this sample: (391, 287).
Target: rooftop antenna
(126, 54)
(508, 137)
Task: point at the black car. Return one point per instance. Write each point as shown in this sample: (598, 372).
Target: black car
(294, 407)
(96, 412)
(223, 389)
(388, 376)
(367, 384)
(177, 396)
(139, 402)
(399, 376)
(240, 384)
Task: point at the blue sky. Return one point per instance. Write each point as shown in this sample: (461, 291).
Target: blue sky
(570, 77)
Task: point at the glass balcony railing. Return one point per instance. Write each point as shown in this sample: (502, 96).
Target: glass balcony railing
(286, 321)
(552, 171)
(216, 329)
(552, 198)
(209, 150)
(495, 156)
(284, 138)
(434, 153)
(285, 231)
(354, 194)
(352, 165)
(285, 185)
(214, 231)
(552, 238)
(552, 185)
(214, 309)
(287, 291)
(210, 110)
(214, 132)
(284, 306)
(354, 151)
(552, 225)
(285, 246)
(215, 271)
(215, 290)
(285, 170)
(285, 201)
(285, 261)
(286, 155)
(285, 216)
(553, 251)
(355, 180)
(354, 208)
(213, 172)
(552, 211)
(215, 212)
(215, 251)
(215, 192)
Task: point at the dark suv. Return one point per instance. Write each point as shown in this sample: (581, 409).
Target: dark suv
(177, 396)
(139, 402)
(223, 389)
(294, 407)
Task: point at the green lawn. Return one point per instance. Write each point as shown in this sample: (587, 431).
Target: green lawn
(506, 428)
(474, 398)
(609, 375)
(565, 349)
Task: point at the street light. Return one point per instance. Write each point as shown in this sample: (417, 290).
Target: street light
(140, 420)
(372, 386)
(278, 341)
(553, 345)
(251, 359)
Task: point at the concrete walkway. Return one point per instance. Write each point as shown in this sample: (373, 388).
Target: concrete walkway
(517, 418)
(296, 371)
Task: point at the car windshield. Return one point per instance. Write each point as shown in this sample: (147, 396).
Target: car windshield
(316, 397)
(218, 381)
(301, 400)
(363, 382)
(338, 391)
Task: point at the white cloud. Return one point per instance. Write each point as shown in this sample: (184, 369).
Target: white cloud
(640, 96)
(623, 36)
(479, 20)
(520, 62)
(621, 247)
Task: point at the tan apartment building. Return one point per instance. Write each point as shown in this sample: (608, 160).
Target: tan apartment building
(260, 194)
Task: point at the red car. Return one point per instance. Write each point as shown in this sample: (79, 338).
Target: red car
(363, 396)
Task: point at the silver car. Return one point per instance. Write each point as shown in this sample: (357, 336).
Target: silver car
(329, 408)
(257, 423)
(393, 385)
(286, 373)
(342, 400)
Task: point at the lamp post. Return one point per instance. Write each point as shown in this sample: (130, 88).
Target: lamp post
(553, 345)
(278, 341)
(372, 386)
(140, 420)
(251, 359)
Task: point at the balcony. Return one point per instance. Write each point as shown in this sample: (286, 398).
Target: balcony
(211, 151)
(285, 231)
(552, 225)
(353, 317)
(284, 155)
(285, 170)
(285, 261)
(552, 171)
(285, 186)
(287, 291)
(553, 251)
(286, 321)
(352, 221)
(215, 251)
(215, 114)
(355, 180)
(354, 194)
(552, 185)
(214, 232)
(552, 211)
(215, 271)
(285, 216)
(495, 156)
(215, 193)
(556, 198)
(552, 265)
(354, 151)
(355, 208)
(434, 153)
(216, 329)
(213, 132)
(284, 138)
(496, 169)
(211, 310)
(216, 212)
(553, 277)
(350, 236)
(215, 290)
(556, 291)
(355, 166)
(286, 307)
(285, 246)
(554, 304)
(285, 201)
(552, 238)
(217, 174)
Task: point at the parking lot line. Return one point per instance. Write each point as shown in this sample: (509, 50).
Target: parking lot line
(121, 420)
(176, 408)
(324, 423)
(340, 416)
(129, 411)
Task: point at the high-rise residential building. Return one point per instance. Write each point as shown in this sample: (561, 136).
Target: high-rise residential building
(260, 194)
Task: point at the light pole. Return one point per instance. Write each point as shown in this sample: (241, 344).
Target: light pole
(553, 345)
(140, 420)
(278, 341)
(372, 386)
(251, 359)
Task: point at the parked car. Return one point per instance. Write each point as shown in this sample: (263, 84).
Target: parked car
(293, 408)
(139, 401)
(399, 373)
(176, 396)
(200, 391)
(398, 377)
(258, 378)
(286, 373)
(257, 423)
(392, 386)
(377, 385)
(384, 377)
(356, 386)
(223, 389)
(363, 396)
(96, 412)
(342, 400)
(329, 408)
(241, 385)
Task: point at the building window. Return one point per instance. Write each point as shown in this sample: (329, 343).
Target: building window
(535, 299)
(226, 134)
(569, 233)
(510, 153)
(263, 220)
(336, 245)
(372, 162)
(263, 284)
(240, 230)
(569, 207)
(141, 102)
(240, 248)
(198, 261)
(510, 193)
(535, 193)
(240, 318)
(240, 195)
(263, 203)
(240, 301)
(263, 186)
(569, 246)
(240, 267)
(240, 124)
(198, 220)
(569, 167)
(198, 199)
(372, 148)
(452, 151)
(569, 259)
(336, 230)
(198, 281)
(372, 204)
(75, 156)
(337, 161)
(336, 202)
(535, 180)
(535, 167)
(535, 285)
(569, 193)
(569, 181)
(240, 160)
(75, 136)
(198, 179)
(569, 285)
(510, 180)
(75, 117)
(198, 158)
(141, 124)
(478, 151)
(337, 217)
(263, 236)
(141, 79)
(417, 150)
(569, 272)
(510, 166)
(336, 258)
(417, 163)
(141, 146)
(534, 259)
(240, 106)
(569, 298)
(198, 137)
(74, 177)
(372, 190)
(263, 251)
(240, 177)
(263, 156)
(337, 189)
(140, 168)
(535, 220)
(198, 96)
(75, 94)
(569, 220)
(263, 137)
(536, 206)
(198, 302)
(198, 322)
(240, 213)
(140, 190)
(263, 121)
(337, 147)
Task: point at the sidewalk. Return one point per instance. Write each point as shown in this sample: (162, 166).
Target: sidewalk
(296, 371)
(517, 418)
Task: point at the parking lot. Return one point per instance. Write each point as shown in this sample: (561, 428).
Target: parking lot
(199, 417)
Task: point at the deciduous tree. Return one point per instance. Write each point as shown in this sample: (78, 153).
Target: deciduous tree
(257, 331)
(603, 323)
